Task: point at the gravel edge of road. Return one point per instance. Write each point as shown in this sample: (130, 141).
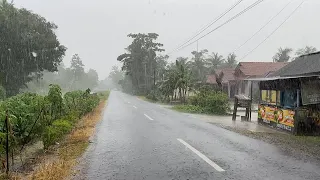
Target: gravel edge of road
(305, 148)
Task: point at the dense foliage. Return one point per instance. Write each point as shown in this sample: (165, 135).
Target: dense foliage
(139, 62)
(148, 73)
(34, 117)
(207, 101)
(215, 102)
(29, 46)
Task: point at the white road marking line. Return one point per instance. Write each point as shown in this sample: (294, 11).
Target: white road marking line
(211, 163)
(135, 107)
(148, 117)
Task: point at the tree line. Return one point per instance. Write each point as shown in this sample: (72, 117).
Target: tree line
(68, 78)
(30, 50)
(284, 54)
(146, 69)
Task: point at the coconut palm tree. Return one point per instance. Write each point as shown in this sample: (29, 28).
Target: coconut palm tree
(231, 60)
(214, 61)
(182, 79)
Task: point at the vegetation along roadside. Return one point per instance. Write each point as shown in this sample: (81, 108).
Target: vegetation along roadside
(62, 124)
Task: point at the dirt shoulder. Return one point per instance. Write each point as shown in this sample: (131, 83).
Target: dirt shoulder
(301, 147)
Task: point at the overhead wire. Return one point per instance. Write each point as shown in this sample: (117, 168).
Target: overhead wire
(273, 31)
(226, 22)
(209, 25)
(276, 15)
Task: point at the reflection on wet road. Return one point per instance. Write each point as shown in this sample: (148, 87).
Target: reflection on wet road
(141, 140)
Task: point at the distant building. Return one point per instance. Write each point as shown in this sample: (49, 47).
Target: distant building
(228, 81)
(249, 70)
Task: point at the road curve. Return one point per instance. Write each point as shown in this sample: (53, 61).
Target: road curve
(140, 140)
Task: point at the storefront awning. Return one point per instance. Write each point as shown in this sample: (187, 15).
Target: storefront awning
(278, 78)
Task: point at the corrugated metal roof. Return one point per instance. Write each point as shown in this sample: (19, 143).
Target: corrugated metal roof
(278, 77)
(306, 64)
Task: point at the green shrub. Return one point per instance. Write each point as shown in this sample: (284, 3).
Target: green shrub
(189, 108)
(154, 95)
(62, 126)
(213, 102)
(55, 132)
(71, 117)
(50, 136)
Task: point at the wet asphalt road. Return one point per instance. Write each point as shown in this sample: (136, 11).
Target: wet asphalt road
(140, 140)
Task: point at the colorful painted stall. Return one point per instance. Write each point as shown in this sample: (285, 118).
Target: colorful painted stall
(291, 104)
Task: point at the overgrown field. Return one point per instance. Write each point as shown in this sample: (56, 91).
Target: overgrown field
(33, 118)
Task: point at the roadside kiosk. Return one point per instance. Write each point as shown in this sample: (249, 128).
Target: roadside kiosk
(291, 104)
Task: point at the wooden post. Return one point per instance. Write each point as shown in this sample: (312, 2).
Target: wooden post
(7, 142)
(234, 115)
(251, 96)
(295, 130)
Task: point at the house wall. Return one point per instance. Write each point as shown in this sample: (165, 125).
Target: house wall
(244, 87)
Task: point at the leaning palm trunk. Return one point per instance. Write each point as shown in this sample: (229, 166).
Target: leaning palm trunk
(180, 95)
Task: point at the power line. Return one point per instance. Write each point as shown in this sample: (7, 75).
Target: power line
(209, 25)
(229, 20)
(273, 31)
(263, 26)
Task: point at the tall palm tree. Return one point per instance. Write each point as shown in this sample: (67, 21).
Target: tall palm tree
(182, 78)
(231, 60)
(215, 61)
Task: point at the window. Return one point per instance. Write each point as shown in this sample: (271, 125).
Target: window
(289, 99)
(270, 96)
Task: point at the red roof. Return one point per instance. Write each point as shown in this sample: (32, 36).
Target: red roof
(228, 75)
(260, 69)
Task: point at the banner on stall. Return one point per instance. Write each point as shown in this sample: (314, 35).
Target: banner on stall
(285, 117)
(267, 113)
(280, 116)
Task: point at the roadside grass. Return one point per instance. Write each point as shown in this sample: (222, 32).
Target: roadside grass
(188, 109)
(59, 161)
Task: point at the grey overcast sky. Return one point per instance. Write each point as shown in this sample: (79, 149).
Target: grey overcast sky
(97, 29)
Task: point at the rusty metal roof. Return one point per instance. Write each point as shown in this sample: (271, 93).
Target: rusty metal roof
(260, 69)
